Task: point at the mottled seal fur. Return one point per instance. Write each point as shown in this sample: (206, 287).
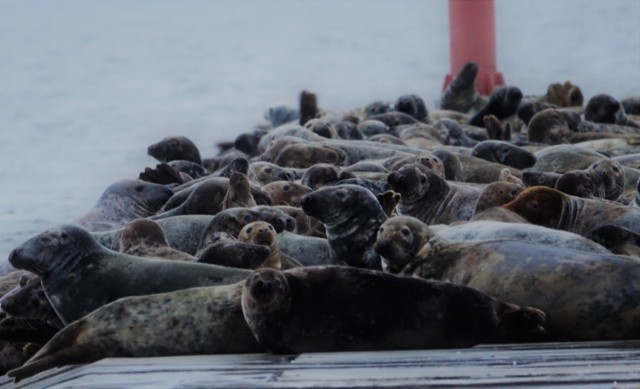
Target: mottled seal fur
(369, 310)
(351, 215)
(79, 275)
(122, 202)
(206, 320)
(428, 197)
(145, 238)
(504, 153)
(568, 285)
(175, 148)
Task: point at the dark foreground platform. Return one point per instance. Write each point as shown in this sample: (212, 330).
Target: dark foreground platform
(558, 365)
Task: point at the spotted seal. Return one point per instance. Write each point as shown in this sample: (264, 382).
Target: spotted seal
(122, 202)
(400, 238)
(351, 216)
(371, 310)
(79, 275)
(204, 320)
(561, 282)
(145, 238)
(238, 193)
(428, 197)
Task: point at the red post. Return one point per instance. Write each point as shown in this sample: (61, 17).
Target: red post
(472, 36)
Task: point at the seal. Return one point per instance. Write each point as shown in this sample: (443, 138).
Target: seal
(461, 95)
(79, 275)
(551, 208)
(559, 281)
(322, 174)
(580, 183)
(266, 172)
(286, 192)
(304, 155)
(122, 202)
(619, 240)
(414, 106)
(247, 142)
(496, 194)
(145, 238)
(232, 220)
(372, 311)
(264, 234)
(351, 216)
(226, 250)
(11, 355)
(348, 130)
(238, 193)
(428, 197)
(205, 320)
(322, 127)
(175, 148)
(603, 108)
(400, 238)
(28, 300)
(504, 153)
(530, 178)
(503, 102)
(564, 95)
(304, 224)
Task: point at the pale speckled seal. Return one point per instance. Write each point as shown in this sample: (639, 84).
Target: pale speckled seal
(586, 296)
(79, 275)
(428, 197)
(262, 233)
(145, 238)
(351, 216)
(604, 179)
(366, 310)
(122, 202)
(549, 207)
(400, 238)
(206, 320)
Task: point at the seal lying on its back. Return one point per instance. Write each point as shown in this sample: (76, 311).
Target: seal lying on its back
(369, 310)
(205, 320)
(122, 202)
(586, 296)
(351, 216)
(79, 275)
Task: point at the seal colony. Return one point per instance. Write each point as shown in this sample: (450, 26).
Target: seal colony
(501, 218)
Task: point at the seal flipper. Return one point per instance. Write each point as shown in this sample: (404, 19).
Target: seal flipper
(16, 329)
(59, 351)
(520, 324)
(162, 174)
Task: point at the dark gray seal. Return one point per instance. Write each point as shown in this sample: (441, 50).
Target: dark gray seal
(503, 102)
(79, 275)
(175, 148)
(371, 310)
(428, 197)
(504, 153)
(351, 216)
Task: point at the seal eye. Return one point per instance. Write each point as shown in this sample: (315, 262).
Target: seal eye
(405, 231)
(380, 230)
(23, 281)
(63, 235)
(44, 240)
(514, 192)
(247, 217)
(340, 195)
(268, 170)
(270, 227)
(139, 188)
(423, 180)
(533, 205)
(286, 188)
(615, 169)
(249, 230)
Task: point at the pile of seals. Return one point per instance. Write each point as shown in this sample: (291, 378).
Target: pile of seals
(501, 218)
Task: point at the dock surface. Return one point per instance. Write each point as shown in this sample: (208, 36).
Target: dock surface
(557, 365)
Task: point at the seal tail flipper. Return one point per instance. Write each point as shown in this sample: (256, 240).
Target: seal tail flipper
(521, 324)
(59, 351)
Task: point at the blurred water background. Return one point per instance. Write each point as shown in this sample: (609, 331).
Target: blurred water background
(86, 86)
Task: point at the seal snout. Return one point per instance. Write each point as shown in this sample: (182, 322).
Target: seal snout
(307, 203)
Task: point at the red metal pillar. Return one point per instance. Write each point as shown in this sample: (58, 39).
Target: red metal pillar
(472, 37)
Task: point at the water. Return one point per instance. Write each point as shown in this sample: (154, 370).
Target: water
(85, 87)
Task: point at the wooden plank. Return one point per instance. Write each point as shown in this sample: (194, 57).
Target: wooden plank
(589, 364)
